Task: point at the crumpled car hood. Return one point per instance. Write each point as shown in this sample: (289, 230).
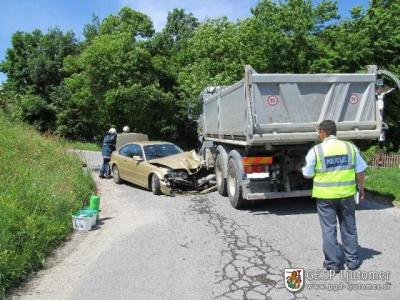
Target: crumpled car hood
(186, 160)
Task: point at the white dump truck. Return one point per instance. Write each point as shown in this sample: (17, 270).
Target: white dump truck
(256, 133)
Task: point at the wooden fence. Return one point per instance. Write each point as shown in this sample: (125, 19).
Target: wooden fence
(381, 160)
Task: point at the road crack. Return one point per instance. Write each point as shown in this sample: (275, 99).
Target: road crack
(252, 268)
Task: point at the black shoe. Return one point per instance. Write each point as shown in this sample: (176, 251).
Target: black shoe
(101, 176)
(108, 177)
(336, 269)
(353, 267)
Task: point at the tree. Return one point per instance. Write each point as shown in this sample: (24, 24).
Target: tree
(212, 57)
(129, 21)
(285, 35)
(349, 44)
(34, 68)
(383, 19)
(35, 61)
(166, 46)
(91, 30)
(114, 80)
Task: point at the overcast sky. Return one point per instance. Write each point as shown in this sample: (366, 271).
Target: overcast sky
(27, 15)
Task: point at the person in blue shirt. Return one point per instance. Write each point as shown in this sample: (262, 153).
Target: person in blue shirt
(334, 190)
(109, 143)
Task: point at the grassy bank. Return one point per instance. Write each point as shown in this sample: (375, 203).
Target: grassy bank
(82, 146)
(40, 187)
(384, 181)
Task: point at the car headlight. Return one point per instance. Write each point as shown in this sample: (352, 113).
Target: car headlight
(180, 173)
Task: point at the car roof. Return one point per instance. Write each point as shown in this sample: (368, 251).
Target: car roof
(146, 143)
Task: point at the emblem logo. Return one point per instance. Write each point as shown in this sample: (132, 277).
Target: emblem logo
(294, 279)
(353, 99)
(272, 100)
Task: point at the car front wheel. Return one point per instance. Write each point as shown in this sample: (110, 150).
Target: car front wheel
(155, 185)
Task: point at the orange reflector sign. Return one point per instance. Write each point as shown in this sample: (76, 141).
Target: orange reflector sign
(255, 169)
(261, 160)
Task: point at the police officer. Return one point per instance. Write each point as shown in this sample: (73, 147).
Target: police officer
(109, 142)
(336, 167)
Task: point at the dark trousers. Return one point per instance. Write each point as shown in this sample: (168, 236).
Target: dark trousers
(329, 212)
(105, 168)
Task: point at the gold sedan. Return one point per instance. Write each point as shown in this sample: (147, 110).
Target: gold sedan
(159, 166)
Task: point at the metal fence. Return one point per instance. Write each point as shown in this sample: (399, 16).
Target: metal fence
(382, 160)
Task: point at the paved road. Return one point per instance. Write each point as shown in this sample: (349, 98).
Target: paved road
(199, 247)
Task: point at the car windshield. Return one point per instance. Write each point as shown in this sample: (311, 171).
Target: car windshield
(160, 150)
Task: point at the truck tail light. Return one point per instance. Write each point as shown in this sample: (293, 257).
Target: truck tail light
(256, 164)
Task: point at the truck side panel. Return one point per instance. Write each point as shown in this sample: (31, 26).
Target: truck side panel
(211, 116)
(233, 112)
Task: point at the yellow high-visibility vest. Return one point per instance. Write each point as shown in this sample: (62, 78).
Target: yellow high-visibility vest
(334, 169)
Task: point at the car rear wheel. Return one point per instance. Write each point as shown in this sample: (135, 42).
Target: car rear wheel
(235, 192)
(155, 185)
(116, 177)
(219, 175)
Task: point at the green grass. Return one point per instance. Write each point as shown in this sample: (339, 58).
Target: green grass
(41, 185)
(384, 181)
(83, 146)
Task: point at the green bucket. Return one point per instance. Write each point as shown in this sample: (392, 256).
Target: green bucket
(95, 202)
(87, 211)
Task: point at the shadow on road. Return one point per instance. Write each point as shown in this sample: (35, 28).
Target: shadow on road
(288, 206)
(294, 206)
(100, 222)
(367, 253)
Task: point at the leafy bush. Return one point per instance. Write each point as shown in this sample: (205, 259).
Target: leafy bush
(41, 186)
(369, 153)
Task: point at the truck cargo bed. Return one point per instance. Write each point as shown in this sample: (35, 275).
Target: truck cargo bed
(280, 109)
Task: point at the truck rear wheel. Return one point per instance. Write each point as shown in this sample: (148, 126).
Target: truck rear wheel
(234, 187)
(219, 175)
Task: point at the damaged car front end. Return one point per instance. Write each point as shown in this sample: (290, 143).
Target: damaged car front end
(184, 172)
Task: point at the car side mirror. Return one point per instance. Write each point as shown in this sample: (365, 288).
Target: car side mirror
(137, 157)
